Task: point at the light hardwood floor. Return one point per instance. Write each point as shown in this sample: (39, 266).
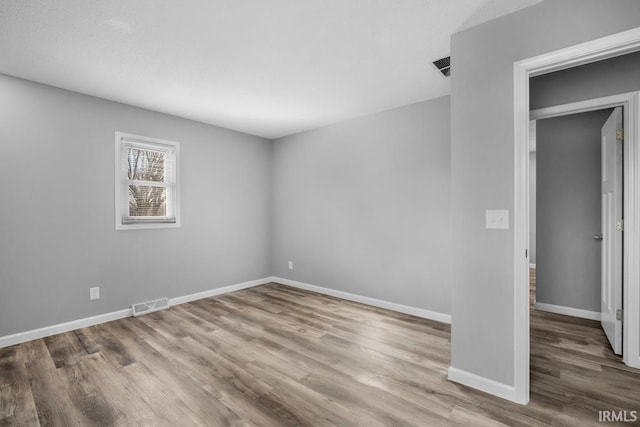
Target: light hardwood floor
(274, 355)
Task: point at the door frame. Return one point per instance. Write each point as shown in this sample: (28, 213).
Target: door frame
(591, 51)
(628, 102)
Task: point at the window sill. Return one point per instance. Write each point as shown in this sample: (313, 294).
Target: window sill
(140, 225)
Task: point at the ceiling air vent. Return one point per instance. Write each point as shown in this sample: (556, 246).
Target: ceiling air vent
(444, 65)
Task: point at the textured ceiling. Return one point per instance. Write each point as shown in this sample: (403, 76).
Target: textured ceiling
(265, 67)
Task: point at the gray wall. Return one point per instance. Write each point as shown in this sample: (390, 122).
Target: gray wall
(569, 210)
(57, 234)
(363, 206)
(594, 80)
(612, 76)
(482, 164)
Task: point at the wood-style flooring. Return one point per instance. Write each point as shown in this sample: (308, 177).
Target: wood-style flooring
(274, 355)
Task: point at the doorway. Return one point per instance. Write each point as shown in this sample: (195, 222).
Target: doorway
(576, 190)
(606, 47)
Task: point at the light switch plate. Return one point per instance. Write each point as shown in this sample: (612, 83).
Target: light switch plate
(498, 219)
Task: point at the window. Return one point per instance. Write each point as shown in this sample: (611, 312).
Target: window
(147, 190)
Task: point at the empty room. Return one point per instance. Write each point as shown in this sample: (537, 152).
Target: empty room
(320, 212)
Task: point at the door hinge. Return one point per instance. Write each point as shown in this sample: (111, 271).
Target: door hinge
(620, 225)
(619, 134)
(619, 315)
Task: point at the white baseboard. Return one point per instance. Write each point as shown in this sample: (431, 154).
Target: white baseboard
(414, 311)
(218, 291)
(568, 311)
(487, 385)
(115, 315)
(34, 334)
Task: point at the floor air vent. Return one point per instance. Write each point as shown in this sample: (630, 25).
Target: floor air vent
(444, 65)
(150, 306)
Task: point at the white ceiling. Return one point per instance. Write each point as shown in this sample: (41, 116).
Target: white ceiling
(265, 67)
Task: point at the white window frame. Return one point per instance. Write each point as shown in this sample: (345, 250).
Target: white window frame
(172, 182)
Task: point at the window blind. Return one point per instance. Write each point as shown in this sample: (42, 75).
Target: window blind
(149, 176)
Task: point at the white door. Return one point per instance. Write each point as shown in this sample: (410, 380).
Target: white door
(611, 303)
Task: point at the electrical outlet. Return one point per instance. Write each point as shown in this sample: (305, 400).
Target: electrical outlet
(94, 293)
(290, 265)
